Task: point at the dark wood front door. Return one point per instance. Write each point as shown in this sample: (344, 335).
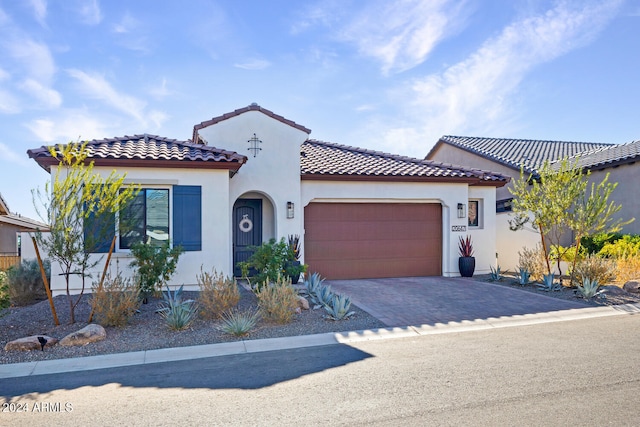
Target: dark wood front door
(247, 230)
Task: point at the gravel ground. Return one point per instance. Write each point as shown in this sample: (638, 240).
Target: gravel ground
(147, 331)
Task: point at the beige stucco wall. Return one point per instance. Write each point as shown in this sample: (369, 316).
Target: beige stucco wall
(625, 194)
(446, 194)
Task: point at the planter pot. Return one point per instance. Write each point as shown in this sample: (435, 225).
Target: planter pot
(293, 270)
(466, 265)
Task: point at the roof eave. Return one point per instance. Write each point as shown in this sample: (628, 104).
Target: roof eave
(386, 178)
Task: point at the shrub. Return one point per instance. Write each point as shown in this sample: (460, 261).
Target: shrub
(25, 282)
(627, 269)
(277, 301)
(625, 247)
(4, 291)
(116, 302)
(155, 265)
(593, 244)
(595, 268)
(239, 323)
(533, 261)
(178, 313)
(267, 262)
(217, 294)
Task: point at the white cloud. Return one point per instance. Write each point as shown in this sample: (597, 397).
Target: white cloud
(477, 95)
(40, 11)
(131, 34)
(401, 35)
(160, 91)
(90, 13)
(35, 57)
(50, 98)
(126, 25)
(253, 64)
(69, 125)
(7, 154)
(97, 87)
(158, 118)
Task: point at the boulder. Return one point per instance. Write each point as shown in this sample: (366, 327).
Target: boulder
(303, 303)
(88, 334)
(29, 343)
(613, 290)
(632, 286)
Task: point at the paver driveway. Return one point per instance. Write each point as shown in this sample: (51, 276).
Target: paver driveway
(410, 301)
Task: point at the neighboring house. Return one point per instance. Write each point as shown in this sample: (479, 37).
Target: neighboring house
(10, 227)
(508, 156)
(360, 213)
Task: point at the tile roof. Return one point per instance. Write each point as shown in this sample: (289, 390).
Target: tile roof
(150, 151)
(515, 153)
(252, 107)
(324, 160)
(4, 207)
(609, 156)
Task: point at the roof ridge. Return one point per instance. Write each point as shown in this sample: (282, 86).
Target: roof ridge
(529, 140)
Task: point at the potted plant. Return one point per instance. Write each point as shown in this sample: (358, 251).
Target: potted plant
(466, 262)
(293, 268)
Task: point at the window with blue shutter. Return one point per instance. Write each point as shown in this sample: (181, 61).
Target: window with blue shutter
(187, 217)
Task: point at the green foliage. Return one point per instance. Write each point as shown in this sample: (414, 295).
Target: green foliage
(495, 275)
(66, 205)
(217, 294)
(589, 288)
(294, 246)
(524, 277)
(339, 308)
(115, 302)
(5, 301)
(548, 284)
(277, 300)
(239, 323)
(600, 269)
(594, 243)
(628, 246)
(465, 246)
(25, 283)
(155, 265)
(177, 313)
(312, 285)
(268, 261)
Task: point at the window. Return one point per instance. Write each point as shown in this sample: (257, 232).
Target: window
(474, 213)
(145, 218)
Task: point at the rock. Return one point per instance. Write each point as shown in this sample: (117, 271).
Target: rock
(632, 286)
(29, 343)
(613, 290)
(88, 334)
(303, 303)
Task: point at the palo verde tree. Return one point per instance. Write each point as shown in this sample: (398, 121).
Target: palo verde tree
(556, 201)
(79, 206)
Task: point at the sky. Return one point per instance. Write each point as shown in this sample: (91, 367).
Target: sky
(384, 75)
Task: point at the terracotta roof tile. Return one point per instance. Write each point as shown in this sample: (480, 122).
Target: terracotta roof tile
(150, 150)
(515, 153)
(252, 107)
(324, 160)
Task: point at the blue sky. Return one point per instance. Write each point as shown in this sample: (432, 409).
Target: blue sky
(384, 75)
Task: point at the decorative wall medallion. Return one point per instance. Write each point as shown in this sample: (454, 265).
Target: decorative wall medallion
(245, 224)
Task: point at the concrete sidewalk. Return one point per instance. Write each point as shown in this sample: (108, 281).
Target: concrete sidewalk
(252, 346)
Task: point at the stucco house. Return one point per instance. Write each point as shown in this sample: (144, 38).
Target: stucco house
(507, 156)
(360, 213)
(11, 225)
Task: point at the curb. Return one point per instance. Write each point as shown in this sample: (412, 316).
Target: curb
(46, 367)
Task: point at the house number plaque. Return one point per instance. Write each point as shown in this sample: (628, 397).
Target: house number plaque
(458, 228)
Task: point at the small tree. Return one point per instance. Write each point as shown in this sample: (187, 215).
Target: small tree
(75, 206)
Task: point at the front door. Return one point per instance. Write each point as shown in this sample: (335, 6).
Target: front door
(247, 230)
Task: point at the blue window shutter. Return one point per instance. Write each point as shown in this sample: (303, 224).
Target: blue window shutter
(187, 217)
(99, 231)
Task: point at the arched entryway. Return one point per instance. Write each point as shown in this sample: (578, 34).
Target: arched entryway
(253, 223)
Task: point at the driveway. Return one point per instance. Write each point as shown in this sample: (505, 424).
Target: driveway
(429, 300)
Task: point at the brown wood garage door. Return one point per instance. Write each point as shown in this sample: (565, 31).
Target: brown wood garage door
(369, 240)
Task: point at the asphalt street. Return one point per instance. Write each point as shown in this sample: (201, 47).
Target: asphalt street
(580, 372)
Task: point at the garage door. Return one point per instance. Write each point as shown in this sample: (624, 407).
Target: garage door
(369, 240)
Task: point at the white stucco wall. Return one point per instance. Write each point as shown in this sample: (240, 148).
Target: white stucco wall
(216, 234)
(448, 195)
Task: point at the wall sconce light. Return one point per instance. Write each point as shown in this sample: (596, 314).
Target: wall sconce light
(461, 210)
(254, 145)
(290, 210)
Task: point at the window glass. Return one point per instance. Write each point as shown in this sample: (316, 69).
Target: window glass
(145, 218)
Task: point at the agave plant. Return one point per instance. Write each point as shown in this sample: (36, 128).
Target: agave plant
(496, 274)
(239, 323)
(523, 276)
(589, 288)
(339, 308)
(324, 297)
(178, 313)
(312, 285)
(548, 284)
